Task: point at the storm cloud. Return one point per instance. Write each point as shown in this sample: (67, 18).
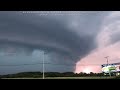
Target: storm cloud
(66, 39)
(108, 44)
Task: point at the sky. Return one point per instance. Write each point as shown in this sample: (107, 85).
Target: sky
(74, 41)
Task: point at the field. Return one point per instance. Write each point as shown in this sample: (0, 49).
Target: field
(66, 78)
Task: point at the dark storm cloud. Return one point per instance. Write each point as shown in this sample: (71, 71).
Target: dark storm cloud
(51, 33)
(38, 31)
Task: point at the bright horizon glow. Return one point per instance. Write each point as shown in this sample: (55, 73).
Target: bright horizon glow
(87, 70)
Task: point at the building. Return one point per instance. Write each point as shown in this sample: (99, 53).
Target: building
(111, 69)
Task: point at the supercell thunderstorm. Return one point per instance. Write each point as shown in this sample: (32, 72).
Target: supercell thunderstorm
(72, 41)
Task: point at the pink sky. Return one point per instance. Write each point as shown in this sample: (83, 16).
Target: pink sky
(92, 62)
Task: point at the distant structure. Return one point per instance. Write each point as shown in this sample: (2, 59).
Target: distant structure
(111, 69)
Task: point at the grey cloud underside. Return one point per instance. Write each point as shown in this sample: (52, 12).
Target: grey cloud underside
(48, 33)
(115, 38)
(43, 32)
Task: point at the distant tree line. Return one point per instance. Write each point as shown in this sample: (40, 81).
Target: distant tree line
(49, 74)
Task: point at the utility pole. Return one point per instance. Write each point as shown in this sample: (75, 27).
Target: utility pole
(43, 65)
(107, 65)
(107, 59)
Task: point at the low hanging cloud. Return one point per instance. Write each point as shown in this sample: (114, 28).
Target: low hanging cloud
(66, 39)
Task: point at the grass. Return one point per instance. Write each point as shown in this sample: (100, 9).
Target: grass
(66, 78)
